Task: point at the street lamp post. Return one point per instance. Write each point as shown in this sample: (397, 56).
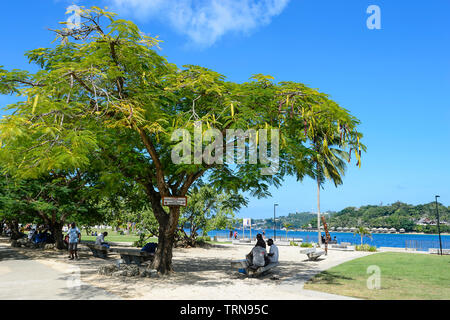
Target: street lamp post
(274, 223)
(439, 229)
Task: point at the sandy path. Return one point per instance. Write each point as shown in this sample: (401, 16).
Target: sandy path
(25, 278)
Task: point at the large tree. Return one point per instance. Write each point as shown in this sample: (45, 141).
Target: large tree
(104, 97)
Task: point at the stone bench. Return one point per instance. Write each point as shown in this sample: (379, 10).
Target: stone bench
(312, 253)
(438, 251)
(98, 251)
(344, 246)
(253, 272)
(136, 256)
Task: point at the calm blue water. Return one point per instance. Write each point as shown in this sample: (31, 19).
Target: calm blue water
(419, 241)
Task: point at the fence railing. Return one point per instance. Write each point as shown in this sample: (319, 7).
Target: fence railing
(424, 245)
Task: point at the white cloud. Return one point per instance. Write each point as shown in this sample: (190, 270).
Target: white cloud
(204, 21)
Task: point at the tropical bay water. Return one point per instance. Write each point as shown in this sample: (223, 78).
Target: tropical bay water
(421, 242)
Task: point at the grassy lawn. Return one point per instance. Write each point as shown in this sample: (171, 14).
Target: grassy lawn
(114, 236)
(403, 276)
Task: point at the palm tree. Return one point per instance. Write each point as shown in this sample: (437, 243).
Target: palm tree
(287, 226)
(329, 164)
(363, 232)
(326, 158)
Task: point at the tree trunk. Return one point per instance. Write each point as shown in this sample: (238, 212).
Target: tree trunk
(14, 226)
(167, 228)
(1, 226)
(319, 240)
(56, 229)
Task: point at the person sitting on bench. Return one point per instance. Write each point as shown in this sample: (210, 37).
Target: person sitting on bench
(100, 240)
(259, 256)
(150, 247)
(272, 256)
(259, 243)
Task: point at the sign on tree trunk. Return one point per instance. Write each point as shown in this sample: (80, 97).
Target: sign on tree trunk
(174, 201)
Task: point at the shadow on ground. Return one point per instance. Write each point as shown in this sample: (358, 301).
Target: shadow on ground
(326, 277)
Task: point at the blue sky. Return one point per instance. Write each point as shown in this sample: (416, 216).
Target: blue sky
(395, 80)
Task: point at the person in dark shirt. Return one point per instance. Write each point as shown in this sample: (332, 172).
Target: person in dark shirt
(150, 247)
(260, 241)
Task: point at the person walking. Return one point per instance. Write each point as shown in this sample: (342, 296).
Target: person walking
(74, 238)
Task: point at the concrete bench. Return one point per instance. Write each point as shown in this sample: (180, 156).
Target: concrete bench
(262, 270)
(312, 253)
(241, 242)
(253, 272)
(344, 246)
(98, 251)
(438, 251)
(134, 256)
(282, 243)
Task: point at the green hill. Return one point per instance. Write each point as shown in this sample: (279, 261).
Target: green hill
(420, 218)
(296, 220)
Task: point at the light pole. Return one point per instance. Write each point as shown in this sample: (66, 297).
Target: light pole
(439, 229)
(274, 223)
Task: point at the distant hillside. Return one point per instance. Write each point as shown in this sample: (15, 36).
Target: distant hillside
(420, 218)
(297, 220)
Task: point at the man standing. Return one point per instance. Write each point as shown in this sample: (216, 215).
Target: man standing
(74, 238)
(273, 252)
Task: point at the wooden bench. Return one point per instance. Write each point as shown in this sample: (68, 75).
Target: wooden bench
(98, 251)
(312, 253)
(134, 256)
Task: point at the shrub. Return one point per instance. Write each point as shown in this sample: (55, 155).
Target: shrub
(366, 247)
(306, 245)
(203, 239)
(292, 243)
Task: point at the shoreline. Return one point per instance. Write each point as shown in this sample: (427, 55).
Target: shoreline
(339, 232)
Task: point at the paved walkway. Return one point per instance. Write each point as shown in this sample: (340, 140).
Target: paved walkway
(24, 278)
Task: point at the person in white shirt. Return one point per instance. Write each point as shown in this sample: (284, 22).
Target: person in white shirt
(101, 238)
(74, 239)
(273, 252)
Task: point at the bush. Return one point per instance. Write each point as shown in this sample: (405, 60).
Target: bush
(143, 240)
(306, 245)
(203, 239)
(366, 247)
(292, 243)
